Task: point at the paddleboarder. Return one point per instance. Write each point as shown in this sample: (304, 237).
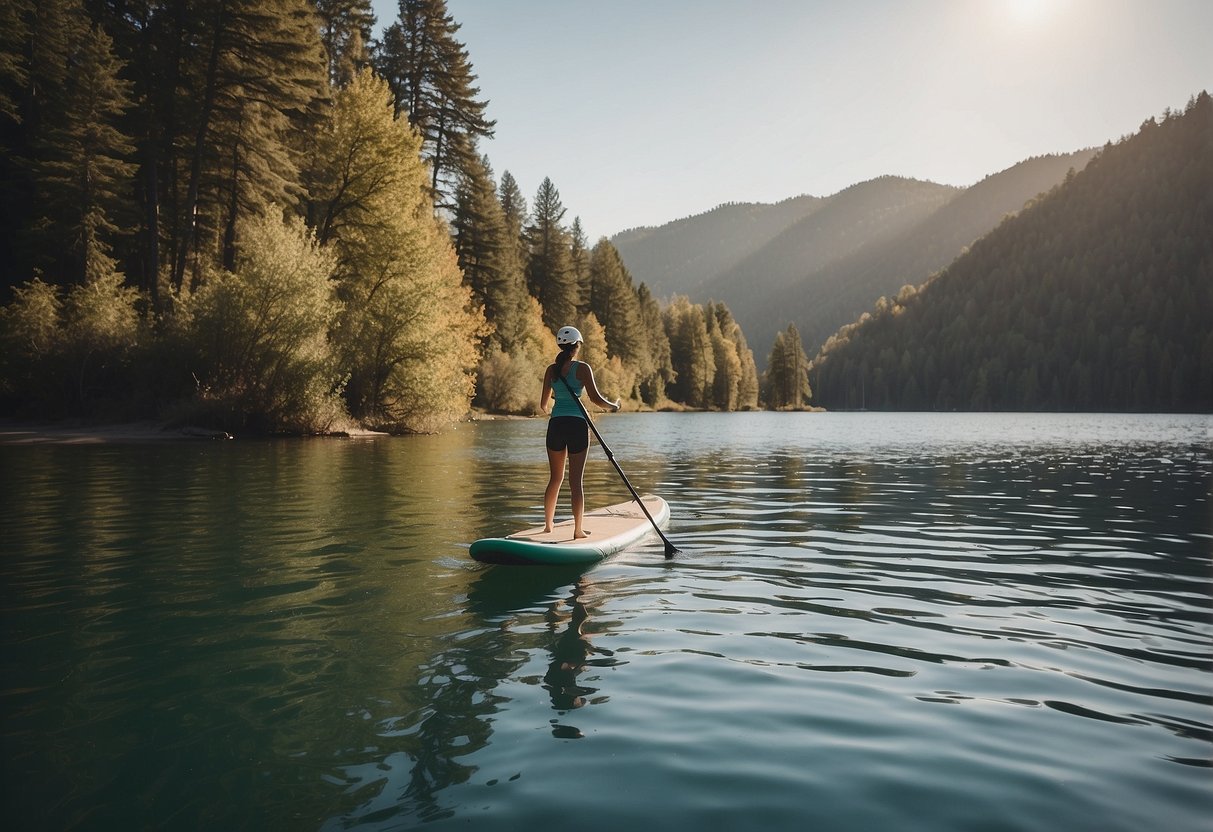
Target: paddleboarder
(568, 436)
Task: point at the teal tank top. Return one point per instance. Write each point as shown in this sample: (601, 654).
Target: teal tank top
(564, 403)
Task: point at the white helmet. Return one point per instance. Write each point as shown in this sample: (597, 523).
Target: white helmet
(568, 335)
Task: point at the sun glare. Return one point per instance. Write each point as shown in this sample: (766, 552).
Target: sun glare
(1028, 11)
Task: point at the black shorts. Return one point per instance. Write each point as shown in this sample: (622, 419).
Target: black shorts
(571, 432)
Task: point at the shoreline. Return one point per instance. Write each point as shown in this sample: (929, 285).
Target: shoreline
(17, 432)
(34, 432)
(72, 432)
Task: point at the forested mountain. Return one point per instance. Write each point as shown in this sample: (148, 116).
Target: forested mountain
(830, 294)
(680, 256)
(1096, 297)
(853, 221)
(829, 263)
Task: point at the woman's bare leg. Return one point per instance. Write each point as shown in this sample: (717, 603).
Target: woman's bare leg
(555, 477)
(576, 468)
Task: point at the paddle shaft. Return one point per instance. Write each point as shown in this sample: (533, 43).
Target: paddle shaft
(670, 551)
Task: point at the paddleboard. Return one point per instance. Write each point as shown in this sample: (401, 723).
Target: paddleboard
(611, 528)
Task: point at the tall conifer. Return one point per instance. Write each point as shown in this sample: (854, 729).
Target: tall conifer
(258, 70)
(613, 301)
(345, 29)
(432, 81)
(479, 235)
(81, 162)
(549, 272)
(788, 372)
(653, 384)
(13, 76)
(579, 264)
(691, 353)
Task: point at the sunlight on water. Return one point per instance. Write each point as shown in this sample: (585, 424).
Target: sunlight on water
(875, 621)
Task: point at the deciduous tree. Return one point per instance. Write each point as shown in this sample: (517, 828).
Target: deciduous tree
(260, 333)
(405, 332)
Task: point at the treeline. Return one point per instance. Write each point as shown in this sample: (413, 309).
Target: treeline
(530, 274)
(1096, 297)
(246, 212)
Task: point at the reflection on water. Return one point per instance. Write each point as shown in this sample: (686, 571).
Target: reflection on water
(877, 621)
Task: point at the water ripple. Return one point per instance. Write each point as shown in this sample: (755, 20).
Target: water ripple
(920, 623)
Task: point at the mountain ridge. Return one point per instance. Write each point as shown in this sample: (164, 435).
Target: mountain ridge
(787, 274)
(1094, 297)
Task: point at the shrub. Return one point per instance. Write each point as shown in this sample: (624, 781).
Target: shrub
(259, 335)
(70, 356)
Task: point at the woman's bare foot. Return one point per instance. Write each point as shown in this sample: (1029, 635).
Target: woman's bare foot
(579, 535)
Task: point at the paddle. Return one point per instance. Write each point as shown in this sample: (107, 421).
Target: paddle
(670, 551)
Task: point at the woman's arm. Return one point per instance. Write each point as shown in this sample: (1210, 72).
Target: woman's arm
(545, 397)
(585, 374)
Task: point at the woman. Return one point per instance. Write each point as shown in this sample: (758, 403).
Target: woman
(568, 430)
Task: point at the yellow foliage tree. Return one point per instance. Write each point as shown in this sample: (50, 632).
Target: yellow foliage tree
(405, 333)
(511, 375)
(613, 379)
(259, 333)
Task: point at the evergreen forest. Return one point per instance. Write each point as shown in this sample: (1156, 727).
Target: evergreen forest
(260, 216)
(1095, 297)
(253, 215)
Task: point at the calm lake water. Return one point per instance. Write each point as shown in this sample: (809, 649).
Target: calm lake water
(877, 622)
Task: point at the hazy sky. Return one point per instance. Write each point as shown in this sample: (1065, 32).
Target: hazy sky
(645, 111)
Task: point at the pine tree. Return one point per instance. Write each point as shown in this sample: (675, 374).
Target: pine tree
(345, 29)
(549, 273)
(479, 234)
(691, 353)
(405, 333)
(727, 378)
(81, 168)
(514, 209)
(431, 78)
(787, 372)
(488, 258)
(736, 383)
(513, 205)
(15, 183)
(13, 75)
(258, 70)
(579, 265)
(652, 385)
(613, 301)
(519, 347)
(154, 41)
(747, 381)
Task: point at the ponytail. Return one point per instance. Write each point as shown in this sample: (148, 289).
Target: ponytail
(566, 352)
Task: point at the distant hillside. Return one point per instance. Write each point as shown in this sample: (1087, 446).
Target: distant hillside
(820, 262)
(1096, 297)
(830, 294)
(678, 257)
(859, 219)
